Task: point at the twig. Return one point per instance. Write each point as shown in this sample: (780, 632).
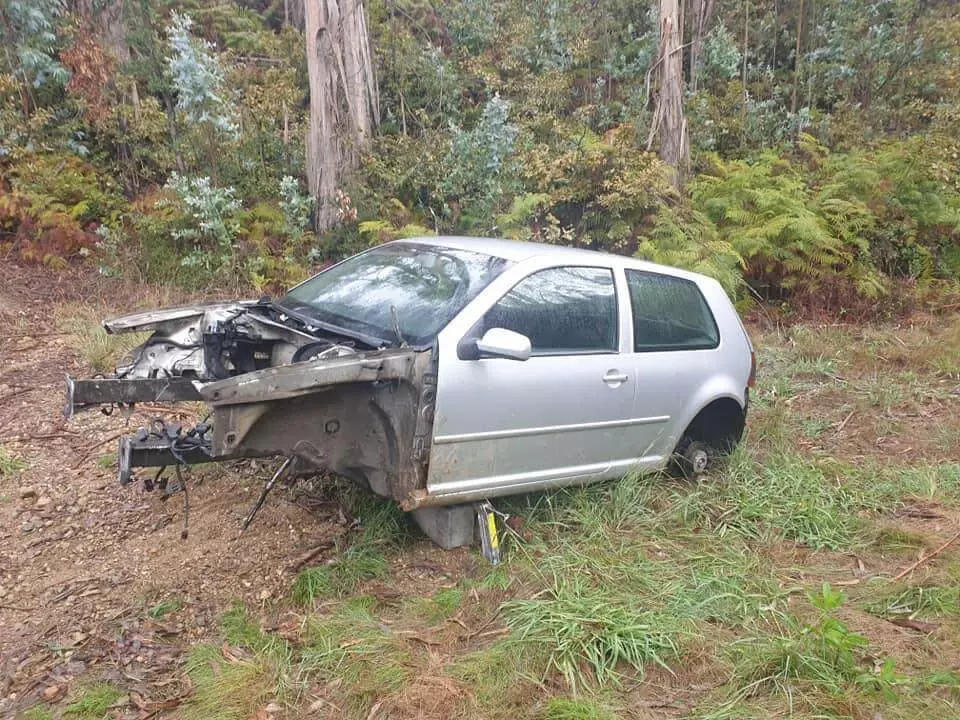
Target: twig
(90, 449)
(65, 434)
(310, 554)
(926, 558)
(844, 423)
(17, 608)
(14, 394)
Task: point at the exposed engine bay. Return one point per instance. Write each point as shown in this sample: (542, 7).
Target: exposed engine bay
(221, 341)
(276, 385)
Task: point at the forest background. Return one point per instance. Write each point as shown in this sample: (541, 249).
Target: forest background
(819, 163)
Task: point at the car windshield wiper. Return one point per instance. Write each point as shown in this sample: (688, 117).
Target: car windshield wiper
(312, 322)
(395, 317)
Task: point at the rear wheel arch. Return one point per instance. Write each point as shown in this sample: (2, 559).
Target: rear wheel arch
(719, 425)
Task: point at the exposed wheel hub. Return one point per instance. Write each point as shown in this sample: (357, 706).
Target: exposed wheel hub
(699, 459)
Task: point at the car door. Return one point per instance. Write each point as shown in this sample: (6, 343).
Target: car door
(673, 353)
(504, 425)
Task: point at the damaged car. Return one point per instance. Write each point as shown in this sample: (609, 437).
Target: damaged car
(443, 372)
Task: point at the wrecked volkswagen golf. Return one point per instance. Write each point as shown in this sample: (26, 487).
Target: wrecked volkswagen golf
(442, 372)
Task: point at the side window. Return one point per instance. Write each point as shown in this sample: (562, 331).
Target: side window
(562, 310)
(669, 313)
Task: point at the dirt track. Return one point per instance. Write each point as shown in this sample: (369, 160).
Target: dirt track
(81, 558)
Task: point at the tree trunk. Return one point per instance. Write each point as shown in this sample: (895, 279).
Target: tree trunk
(702, 17)
(668, 117)
(344, 108)
(796, 61)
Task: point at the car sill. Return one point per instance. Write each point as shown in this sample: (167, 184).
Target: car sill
(546, 430)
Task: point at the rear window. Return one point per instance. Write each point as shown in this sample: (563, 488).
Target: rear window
(669, 313)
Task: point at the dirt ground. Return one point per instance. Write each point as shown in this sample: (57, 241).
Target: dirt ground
(82, 559)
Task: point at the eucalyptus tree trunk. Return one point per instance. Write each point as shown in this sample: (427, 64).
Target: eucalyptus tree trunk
(701, 18)
(668, 118)
(344, 107)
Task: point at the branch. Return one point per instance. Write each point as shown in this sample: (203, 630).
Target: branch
(926, 558)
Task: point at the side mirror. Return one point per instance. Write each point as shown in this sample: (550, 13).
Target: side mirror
(502, 343)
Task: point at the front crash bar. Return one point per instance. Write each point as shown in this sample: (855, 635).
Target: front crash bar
(83, 394)
(136, 452)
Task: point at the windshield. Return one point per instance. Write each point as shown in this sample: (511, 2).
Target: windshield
(426, 284)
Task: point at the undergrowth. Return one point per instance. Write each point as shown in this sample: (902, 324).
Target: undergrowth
(10, 464)
(101, 350)
(93, 702)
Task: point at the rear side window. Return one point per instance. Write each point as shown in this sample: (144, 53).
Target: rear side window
(669, 313)
(564, 310)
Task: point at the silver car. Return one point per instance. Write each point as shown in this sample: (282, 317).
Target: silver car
(445, 371)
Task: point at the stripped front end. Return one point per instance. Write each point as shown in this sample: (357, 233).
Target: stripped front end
(275, 385)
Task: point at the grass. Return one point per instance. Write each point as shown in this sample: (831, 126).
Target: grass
(916, 601)
(437, 608)
(706, 597)
(98, 348)
(351, 647)
(783, 497)
(93, 702)
(340, 577)
(575, 709)
(588, 633)
(164, 607)
(37, 713)
(225, 688)
(10, 464)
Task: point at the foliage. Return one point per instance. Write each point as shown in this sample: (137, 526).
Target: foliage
(588, 634)
(478, 164)
(828, 178)
(29, 32)
(825, 652)
(10, 464)
(196, 74)
(296, 208)
(93, 702)
(721, 57)
(208, 224)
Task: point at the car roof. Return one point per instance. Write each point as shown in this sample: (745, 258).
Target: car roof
(518, 251)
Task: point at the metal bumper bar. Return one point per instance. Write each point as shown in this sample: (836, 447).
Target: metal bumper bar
(83, 394)
(136, 452)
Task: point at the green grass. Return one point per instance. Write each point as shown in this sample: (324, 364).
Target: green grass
(93, 702)
(225, 688)
(783, 497)
(10, 464)
(499, 676)
(586, 633)
(164, 607)
(350, 645)
(916, 601)
(37, 713)
(575, 709)
(341, 577)
(437, 608)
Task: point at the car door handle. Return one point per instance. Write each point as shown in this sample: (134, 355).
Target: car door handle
(613, 378)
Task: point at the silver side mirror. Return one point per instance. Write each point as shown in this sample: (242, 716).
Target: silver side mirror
(502, 343)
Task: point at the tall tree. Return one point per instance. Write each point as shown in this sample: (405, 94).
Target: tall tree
(701, 17)
(344, 105)
(668, 118)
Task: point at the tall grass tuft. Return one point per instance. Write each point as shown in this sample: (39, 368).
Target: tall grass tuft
(590, 631)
